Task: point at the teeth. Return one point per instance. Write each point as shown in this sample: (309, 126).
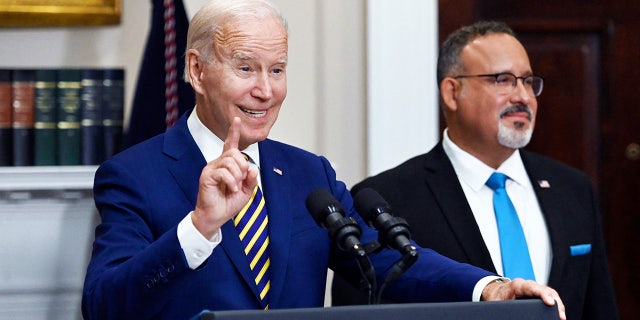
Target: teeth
(256, 114)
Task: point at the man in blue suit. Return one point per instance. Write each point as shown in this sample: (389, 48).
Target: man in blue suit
(167, 246)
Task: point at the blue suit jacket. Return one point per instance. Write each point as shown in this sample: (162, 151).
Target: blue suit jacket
(139, 271)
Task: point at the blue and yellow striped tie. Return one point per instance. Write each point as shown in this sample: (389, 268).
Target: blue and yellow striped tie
(252, 225)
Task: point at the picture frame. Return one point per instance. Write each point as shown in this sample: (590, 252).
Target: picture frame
(59, 13)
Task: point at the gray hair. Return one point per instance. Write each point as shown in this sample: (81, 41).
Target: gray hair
(215, 13)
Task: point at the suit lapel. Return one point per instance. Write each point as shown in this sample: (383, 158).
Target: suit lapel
(277, 186)
(443, 183)
(235, 251)
(186, 170)
(552, 206)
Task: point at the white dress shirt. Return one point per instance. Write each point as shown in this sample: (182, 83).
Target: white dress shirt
(473, 174)
(196, 247)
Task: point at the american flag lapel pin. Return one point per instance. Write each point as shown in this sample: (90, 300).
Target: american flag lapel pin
(278, 171)
(544, 184)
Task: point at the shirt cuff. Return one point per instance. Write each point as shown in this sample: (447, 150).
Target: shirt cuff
(477, 290)
(195, 246)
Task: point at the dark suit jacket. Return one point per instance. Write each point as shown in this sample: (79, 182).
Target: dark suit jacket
(426, 192)
(139, 271)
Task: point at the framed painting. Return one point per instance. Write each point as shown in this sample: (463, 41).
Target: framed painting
(59, 13)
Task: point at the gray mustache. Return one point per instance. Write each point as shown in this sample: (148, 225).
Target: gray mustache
(517, 108)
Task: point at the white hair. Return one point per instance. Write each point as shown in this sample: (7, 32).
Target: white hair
(215, 13)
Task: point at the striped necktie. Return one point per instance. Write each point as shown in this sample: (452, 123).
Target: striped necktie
(516, 262)
(251, 223)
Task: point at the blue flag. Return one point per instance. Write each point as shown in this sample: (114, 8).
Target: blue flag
(161, 94)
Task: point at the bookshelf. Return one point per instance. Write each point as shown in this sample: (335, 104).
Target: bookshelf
(47, 218)
(47, 178)
(60, 116)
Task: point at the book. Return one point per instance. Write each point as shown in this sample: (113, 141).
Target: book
(68, 116)
(91, 101)
(45, 142)
(6, 132)
(113, 110)
(23, 92)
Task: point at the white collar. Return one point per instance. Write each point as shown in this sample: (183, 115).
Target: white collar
(211, 145)
(475, 172)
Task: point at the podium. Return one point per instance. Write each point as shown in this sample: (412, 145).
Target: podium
(530, 309)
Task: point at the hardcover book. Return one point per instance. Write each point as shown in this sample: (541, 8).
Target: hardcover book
(91, 111)
(45, 142)
(23, 91)
(68, 116)
(6, 136)
(113, 110)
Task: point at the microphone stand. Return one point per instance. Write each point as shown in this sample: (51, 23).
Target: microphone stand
(347, 226)
(407, 260)
(367, 274)
(345, 233)
(345, 230)
(388, 233)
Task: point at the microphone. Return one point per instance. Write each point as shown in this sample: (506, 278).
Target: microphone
(393, 232)
(345, 233)
(329, 214)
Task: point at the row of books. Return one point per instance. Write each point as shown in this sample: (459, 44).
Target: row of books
(61, 116)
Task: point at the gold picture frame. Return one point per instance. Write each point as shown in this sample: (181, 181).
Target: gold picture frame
(59, 13)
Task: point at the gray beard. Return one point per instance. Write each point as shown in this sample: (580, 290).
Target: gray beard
(514, 138)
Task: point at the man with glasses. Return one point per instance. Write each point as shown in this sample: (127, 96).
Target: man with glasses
(489, 91)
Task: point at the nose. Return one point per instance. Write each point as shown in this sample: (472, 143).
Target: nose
(262, 88)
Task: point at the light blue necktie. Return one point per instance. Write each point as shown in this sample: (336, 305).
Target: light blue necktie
(516, 262)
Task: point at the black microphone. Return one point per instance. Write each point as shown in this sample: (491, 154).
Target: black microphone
(393, 232)
(328, 213)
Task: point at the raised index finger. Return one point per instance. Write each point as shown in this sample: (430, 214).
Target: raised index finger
(233, 136)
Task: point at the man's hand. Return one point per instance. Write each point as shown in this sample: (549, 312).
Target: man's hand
(520, 288)
(226, 185)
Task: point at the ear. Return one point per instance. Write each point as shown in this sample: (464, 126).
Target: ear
(449, 90)
(195, 69)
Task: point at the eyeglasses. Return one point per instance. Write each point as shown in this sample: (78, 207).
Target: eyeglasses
(506, 82)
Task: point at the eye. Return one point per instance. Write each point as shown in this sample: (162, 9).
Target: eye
(245, 69)
(528, 81)
(504, 78)
(278, 68)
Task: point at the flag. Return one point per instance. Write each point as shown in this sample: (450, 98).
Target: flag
(161, 95)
